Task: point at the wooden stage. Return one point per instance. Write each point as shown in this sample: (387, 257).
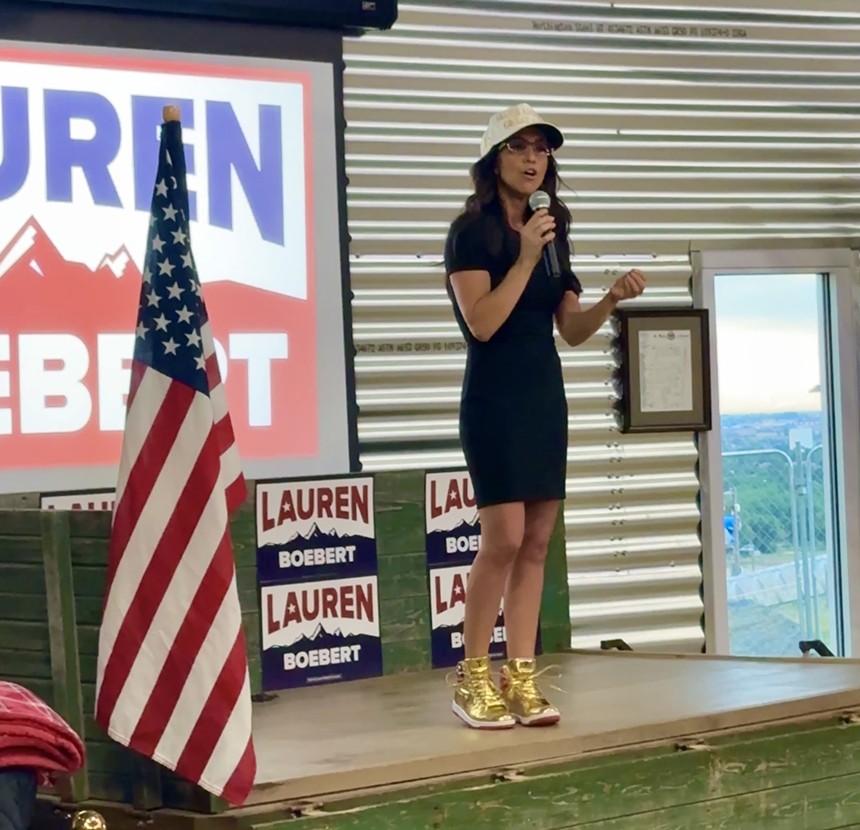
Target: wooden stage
(347, 755)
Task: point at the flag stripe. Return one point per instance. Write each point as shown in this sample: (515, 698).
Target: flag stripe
(212, 656)
(220, 767)
(218, 708)
(184, 649)
(156, 577)
(176, 610)
(148, 463)
(242, 779)
(152, 519)
(138, 370)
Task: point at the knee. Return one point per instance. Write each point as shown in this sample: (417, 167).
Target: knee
(533, 550)
(501, 550)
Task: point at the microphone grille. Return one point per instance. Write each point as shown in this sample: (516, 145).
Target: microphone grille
(539, 200)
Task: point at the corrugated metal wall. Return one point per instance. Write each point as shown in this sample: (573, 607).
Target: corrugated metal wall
(733, 124)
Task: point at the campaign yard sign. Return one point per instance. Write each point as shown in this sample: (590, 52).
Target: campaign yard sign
(317, 572)
(96, 500)
(453, 533)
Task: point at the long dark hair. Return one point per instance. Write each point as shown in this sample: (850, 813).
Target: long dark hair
(486, 201)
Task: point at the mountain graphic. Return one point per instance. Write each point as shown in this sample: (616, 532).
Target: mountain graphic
(44, 292)
(319, 537)
(316, 533)
(322, 638)
(31, 252)
(463, 526)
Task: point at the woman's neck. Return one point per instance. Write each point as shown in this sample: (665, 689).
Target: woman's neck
(514, 208)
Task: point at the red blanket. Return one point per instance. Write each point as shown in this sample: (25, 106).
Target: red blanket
(34, 735)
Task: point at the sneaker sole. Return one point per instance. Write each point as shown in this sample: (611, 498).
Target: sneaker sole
(539, 720)
(474, 724)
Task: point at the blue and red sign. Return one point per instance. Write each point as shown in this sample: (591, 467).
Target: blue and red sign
(453, 538)
(317, 570)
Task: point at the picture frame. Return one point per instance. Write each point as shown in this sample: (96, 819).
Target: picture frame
(664, 374)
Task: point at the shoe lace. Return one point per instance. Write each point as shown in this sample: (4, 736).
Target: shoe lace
(528, 683)
(481, 687)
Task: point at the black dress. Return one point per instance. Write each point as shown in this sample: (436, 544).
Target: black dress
(513, 412)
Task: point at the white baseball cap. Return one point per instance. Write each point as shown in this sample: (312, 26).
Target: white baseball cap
(508, 122)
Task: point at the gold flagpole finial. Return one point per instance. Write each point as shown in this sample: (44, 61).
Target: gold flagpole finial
(88, 820)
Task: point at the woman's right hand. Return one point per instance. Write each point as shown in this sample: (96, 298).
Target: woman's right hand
(534, 236)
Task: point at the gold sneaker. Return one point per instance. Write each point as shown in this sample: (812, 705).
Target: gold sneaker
(477, 701)
(524, 699)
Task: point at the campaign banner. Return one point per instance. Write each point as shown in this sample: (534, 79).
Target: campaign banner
(80, 133)
(320, 632)
(317, 571)
(453, 536)
(78, 501)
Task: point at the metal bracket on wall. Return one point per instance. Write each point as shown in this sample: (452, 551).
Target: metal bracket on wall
(508, 774)
(614, 645)
(815, 645)
(692, 745)
(306, 809)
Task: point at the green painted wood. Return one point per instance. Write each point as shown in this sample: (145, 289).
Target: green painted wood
(146, 784)
(555, 602)
(404, 656)
(23, 607)
(20, 550)
(807, 774)
(399, 509)
(111, 787)
(24, 636)
(88, 610)
(800, 807)
(404, 575)
(405, 629)
(15, 522)
(90, 581)
(89, 524)
(32, 665)
(62, 628)
(42, 688)
(87, 551)
(19, 501)
(24, 580)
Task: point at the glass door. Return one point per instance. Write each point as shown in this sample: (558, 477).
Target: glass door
(779, 497)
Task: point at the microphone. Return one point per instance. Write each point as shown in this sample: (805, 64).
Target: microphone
(539, 200)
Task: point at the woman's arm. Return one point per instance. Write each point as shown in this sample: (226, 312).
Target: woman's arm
(484, 308)
(577, 325)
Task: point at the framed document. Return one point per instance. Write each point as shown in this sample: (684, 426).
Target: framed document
(664, 370)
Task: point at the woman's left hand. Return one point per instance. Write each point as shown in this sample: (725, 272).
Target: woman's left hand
(631, 285)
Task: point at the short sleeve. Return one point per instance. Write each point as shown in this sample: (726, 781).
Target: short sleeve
(571, 282)
(466, 247)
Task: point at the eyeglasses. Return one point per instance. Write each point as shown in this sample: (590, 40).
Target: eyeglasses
(520, 146)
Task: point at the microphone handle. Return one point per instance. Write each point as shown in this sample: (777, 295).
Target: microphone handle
(550, 259)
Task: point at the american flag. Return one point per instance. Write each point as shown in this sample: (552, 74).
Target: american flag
(172, 668)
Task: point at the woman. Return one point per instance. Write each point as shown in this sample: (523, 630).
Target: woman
(513, 415)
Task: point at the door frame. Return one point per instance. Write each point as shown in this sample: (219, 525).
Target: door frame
(841, 265)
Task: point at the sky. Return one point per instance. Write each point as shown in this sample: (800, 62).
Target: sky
(768, 343)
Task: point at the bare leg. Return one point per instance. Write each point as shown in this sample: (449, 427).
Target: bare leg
(502, 527)
(525, 582)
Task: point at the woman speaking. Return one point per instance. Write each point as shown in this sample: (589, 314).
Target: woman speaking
(508, 276)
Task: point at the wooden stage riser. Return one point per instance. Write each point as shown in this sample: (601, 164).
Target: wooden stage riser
(805, 777)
